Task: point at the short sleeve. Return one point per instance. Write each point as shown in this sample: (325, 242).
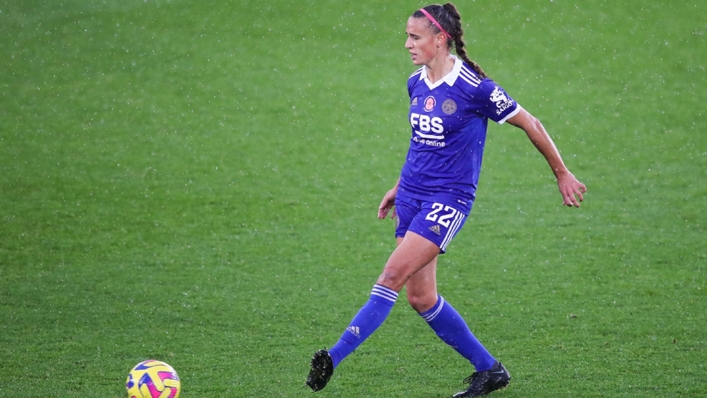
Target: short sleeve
(496, 104)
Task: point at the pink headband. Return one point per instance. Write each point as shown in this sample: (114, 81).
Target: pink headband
(434, 21)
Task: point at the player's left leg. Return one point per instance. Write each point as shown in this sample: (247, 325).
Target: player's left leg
(447, 323)
(451, 328)
(439, 223)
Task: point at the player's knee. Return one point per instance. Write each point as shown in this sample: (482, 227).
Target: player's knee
(421, 302)
(393, 278)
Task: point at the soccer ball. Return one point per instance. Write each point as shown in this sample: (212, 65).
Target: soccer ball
(153, 379)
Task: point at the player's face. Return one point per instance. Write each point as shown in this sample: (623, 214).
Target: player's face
(422, 43)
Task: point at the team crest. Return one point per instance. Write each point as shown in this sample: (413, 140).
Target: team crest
(449, 106)
(430, 103)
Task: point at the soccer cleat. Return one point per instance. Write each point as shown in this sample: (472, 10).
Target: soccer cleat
(322, 368)
(482, 383)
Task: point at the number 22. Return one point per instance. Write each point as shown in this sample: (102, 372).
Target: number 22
(443, 219)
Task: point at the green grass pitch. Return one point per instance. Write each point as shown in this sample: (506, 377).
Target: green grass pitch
(197, 182)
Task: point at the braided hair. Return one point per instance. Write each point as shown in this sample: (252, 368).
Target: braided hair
(449, 18)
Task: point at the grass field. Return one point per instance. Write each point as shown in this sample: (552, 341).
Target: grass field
(197, 182)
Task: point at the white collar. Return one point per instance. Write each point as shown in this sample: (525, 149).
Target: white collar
(450, 78)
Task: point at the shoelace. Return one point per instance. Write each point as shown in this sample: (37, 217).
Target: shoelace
(471, 378)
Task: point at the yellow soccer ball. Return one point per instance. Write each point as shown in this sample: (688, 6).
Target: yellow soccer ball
(153, 379)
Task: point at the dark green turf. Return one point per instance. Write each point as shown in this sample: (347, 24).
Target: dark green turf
(197, 182)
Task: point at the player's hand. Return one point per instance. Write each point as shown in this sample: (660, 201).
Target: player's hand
(387, 204)
(571, 189)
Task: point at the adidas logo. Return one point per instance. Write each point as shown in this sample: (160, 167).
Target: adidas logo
(435, 229)
(354, 330)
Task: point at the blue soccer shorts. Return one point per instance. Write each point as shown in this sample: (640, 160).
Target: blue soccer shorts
(436, 222)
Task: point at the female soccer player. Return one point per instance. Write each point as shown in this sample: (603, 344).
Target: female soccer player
(451, 100)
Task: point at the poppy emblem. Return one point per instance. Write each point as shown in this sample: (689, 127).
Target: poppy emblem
(430, 103)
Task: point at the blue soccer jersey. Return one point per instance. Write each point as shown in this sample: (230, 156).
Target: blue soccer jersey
(449, 120)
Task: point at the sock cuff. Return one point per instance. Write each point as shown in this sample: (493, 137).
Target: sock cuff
(389, 295)
(432, 313)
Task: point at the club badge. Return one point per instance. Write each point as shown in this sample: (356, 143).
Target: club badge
(449, 106)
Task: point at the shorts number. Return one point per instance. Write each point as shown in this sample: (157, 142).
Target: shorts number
(442, 219)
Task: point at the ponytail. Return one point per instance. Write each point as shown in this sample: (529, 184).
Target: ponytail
(450, 20)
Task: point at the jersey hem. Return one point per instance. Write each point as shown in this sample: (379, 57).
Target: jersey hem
(510, 115)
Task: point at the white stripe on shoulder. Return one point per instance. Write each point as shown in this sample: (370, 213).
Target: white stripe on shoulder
(417, 72)
(469, 76)
(472, 73)
(471, 82)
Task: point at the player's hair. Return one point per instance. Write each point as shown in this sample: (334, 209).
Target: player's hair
(451, 21)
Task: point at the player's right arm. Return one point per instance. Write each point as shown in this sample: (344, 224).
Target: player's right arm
(388, 202)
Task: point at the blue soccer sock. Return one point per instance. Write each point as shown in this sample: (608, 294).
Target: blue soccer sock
(452, 329)
(368, 319)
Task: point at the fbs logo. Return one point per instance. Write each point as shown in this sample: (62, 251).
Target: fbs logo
(355, 331)
(435, 229)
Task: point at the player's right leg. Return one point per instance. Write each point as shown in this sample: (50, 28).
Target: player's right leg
(412, 254)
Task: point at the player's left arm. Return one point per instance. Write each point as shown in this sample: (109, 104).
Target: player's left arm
(570, 188)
